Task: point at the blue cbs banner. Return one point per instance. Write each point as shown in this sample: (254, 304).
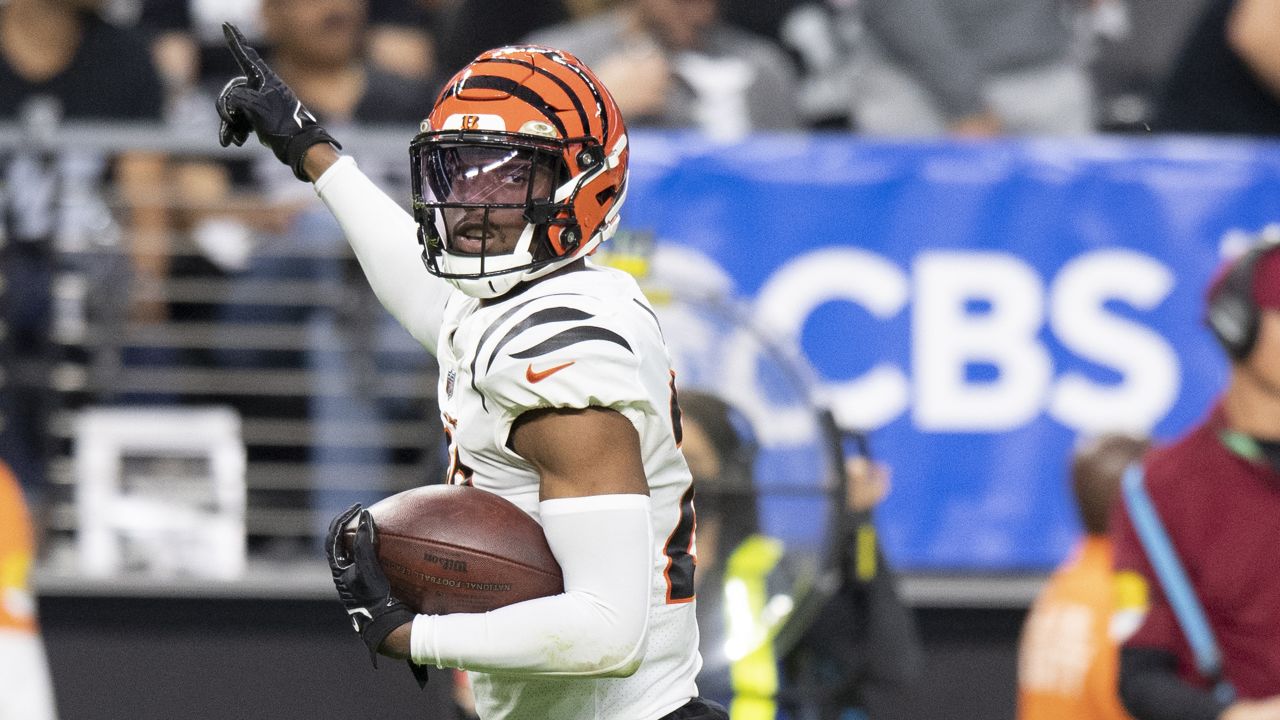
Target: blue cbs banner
(976, 307)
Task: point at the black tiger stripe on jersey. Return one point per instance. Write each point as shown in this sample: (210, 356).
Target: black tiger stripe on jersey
(681, 563)
(677, 417)
(484, 337)
(573, 97)
(541, 317)
(573, 336)
(652, 314)
(516, 90)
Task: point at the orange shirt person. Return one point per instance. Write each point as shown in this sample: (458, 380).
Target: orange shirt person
(1068, 663)
(25, 692)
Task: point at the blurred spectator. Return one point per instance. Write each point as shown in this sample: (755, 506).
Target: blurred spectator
(1227, 77)
(260, 227)
(859, 654)
(27, 692)
(183, 34)
(1067, 662)
(821, 37)
(824, 38)
(579, 9)
(62, 49)
(400, 39)
(762, 18)
(188, 49)
(1136, 43)
(674, 63)
(317, 49)
(59, 60)
(472, 26)
(971, 68)
(1216, 492)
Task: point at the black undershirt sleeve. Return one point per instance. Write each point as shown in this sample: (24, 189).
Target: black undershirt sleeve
(1151, 689)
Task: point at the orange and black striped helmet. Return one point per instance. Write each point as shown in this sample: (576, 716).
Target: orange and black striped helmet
(520, 169)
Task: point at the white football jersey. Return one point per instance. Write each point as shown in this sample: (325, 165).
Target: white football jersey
(573, 340)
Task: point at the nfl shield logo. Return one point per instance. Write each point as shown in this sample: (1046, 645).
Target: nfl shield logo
(448, 383)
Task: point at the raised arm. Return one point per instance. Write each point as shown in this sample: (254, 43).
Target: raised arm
(385, 240)
(382, 234)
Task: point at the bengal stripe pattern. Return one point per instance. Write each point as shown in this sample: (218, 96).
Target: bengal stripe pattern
(653, 315)
(513, 88)
(680, 559)
(572, 336)
(541, 317)
(577, 103)
(677, 418)
(544, 80)
(490, 330)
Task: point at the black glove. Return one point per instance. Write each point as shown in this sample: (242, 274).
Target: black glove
(363, 587)
(260, 101)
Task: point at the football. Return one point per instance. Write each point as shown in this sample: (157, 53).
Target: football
(458, 549)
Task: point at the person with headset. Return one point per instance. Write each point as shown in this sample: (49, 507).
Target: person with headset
(1214, 496)
(856, 655)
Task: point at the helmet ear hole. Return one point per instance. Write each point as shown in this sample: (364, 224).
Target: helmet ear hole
(570, 237)
(567, 238)
(588, 159)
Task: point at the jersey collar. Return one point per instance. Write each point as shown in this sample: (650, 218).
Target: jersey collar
(1245, 446)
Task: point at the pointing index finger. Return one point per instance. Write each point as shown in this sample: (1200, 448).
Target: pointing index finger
(246, 57)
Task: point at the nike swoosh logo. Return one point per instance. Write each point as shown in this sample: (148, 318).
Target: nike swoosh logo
(355, 620)
(300, 113)
(534, 376)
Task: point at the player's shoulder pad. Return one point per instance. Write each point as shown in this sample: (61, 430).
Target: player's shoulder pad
(562, 350)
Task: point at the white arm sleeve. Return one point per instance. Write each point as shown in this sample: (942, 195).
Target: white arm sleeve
(385, 240)
(597, 627)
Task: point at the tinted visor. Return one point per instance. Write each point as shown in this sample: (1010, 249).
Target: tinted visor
(486, 175)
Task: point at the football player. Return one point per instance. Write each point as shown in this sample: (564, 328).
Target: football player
(555, 384)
